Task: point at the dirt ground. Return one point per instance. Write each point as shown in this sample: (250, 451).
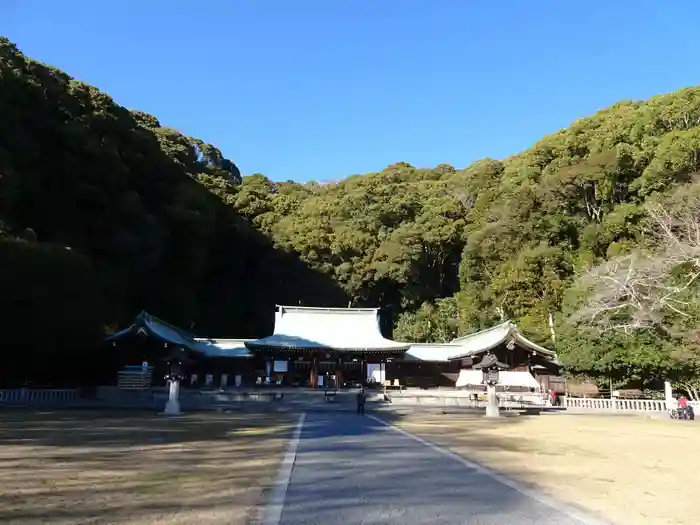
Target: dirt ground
(85, 467)
(627, 469)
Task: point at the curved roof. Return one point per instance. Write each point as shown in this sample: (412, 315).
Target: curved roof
(317, 328)
(475, 344)
(435, 352)
(151, 326)
(223, 347)
(485, 340)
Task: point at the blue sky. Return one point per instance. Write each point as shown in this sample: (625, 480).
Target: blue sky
(312, 89)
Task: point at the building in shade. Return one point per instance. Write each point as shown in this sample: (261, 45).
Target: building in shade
(339, 347)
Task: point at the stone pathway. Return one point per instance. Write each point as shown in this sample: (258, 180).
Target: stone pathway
(355, 470)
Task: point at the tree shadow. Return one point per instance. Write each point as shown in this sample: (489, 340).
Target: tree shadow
(128, 467)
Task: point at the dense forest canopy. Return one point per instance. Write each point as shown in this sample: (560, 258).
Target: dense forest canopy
(104, 212)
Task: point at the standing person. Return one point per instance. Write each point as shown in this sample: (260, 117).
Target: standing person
(553, 398)
(361, 402)
(683, 407)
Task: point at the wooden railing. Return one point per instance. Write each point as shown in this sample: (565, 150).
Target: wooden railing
(26, 396)
(625, 405)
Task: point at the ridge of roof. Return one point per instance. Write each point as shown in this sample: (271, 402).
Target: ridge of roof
(484, 331)
(434, 344)
(326, 309)
(152, 318)
(215, 340)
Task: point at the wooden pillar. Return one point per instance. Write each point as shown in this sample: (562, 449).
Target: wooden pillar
(313, 374)
(339, 373)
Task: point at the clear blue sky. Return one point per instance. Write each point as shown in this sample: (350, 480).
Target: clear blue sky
(322, 89)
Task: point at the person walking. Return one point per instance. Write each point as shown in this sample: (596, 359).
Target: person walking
(361, 402)
(683, 408)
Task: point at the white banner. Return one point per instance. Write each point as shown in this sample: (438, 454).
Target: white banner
(281, 366)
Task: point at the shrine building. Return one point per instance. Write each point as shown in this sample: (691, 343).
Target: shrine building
(334, 347)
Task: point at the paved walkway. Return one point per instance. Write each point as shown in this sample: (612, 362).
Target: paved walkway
(354, 470)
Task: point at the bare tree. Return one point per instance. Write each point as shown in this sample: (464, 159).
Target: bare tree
(465, 198)
(637, 291)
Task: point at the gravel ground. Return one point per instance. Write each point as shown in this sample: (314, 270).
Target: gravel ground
(130, 468)
(632, 470)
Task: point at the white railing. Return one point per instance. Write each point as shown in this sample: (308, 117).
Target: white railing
(625, 405)
(26, 396)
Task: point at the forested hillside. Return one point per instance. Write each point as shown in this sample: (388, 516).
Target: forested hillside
(104, 212)
(449, 251)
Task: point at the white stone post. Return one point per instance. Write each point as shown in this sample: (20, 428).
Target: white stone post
(668, 396)
(172, 407)
(492, 409)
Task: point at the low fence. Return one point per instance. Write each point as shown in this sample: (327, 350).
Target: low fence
(26, 396)
(623, 405)
(155, 399)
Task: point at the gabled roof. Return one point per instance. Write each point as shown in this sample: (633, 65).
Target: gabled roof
(485, 340)
(224, 347)
(317, 328)
(432, 352)
(151, 326)
(475, 344)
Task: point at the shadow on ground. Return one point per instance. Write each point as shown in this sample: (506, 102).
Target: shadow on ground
(128, 467)
(136, 467)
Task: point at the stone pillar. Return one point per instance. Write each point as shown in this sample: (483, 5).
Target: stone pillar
(668, 396)
(172, 407)
(492, 409)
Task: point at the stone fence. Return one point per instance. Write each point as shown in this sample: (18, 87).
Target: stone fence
(26, 396)
(105, 397)
(624, 405)
(113, 397)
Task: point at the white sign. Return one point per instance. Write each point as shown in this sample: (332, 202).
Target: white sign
(281, 366)
(209, 379)
(224, 381)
